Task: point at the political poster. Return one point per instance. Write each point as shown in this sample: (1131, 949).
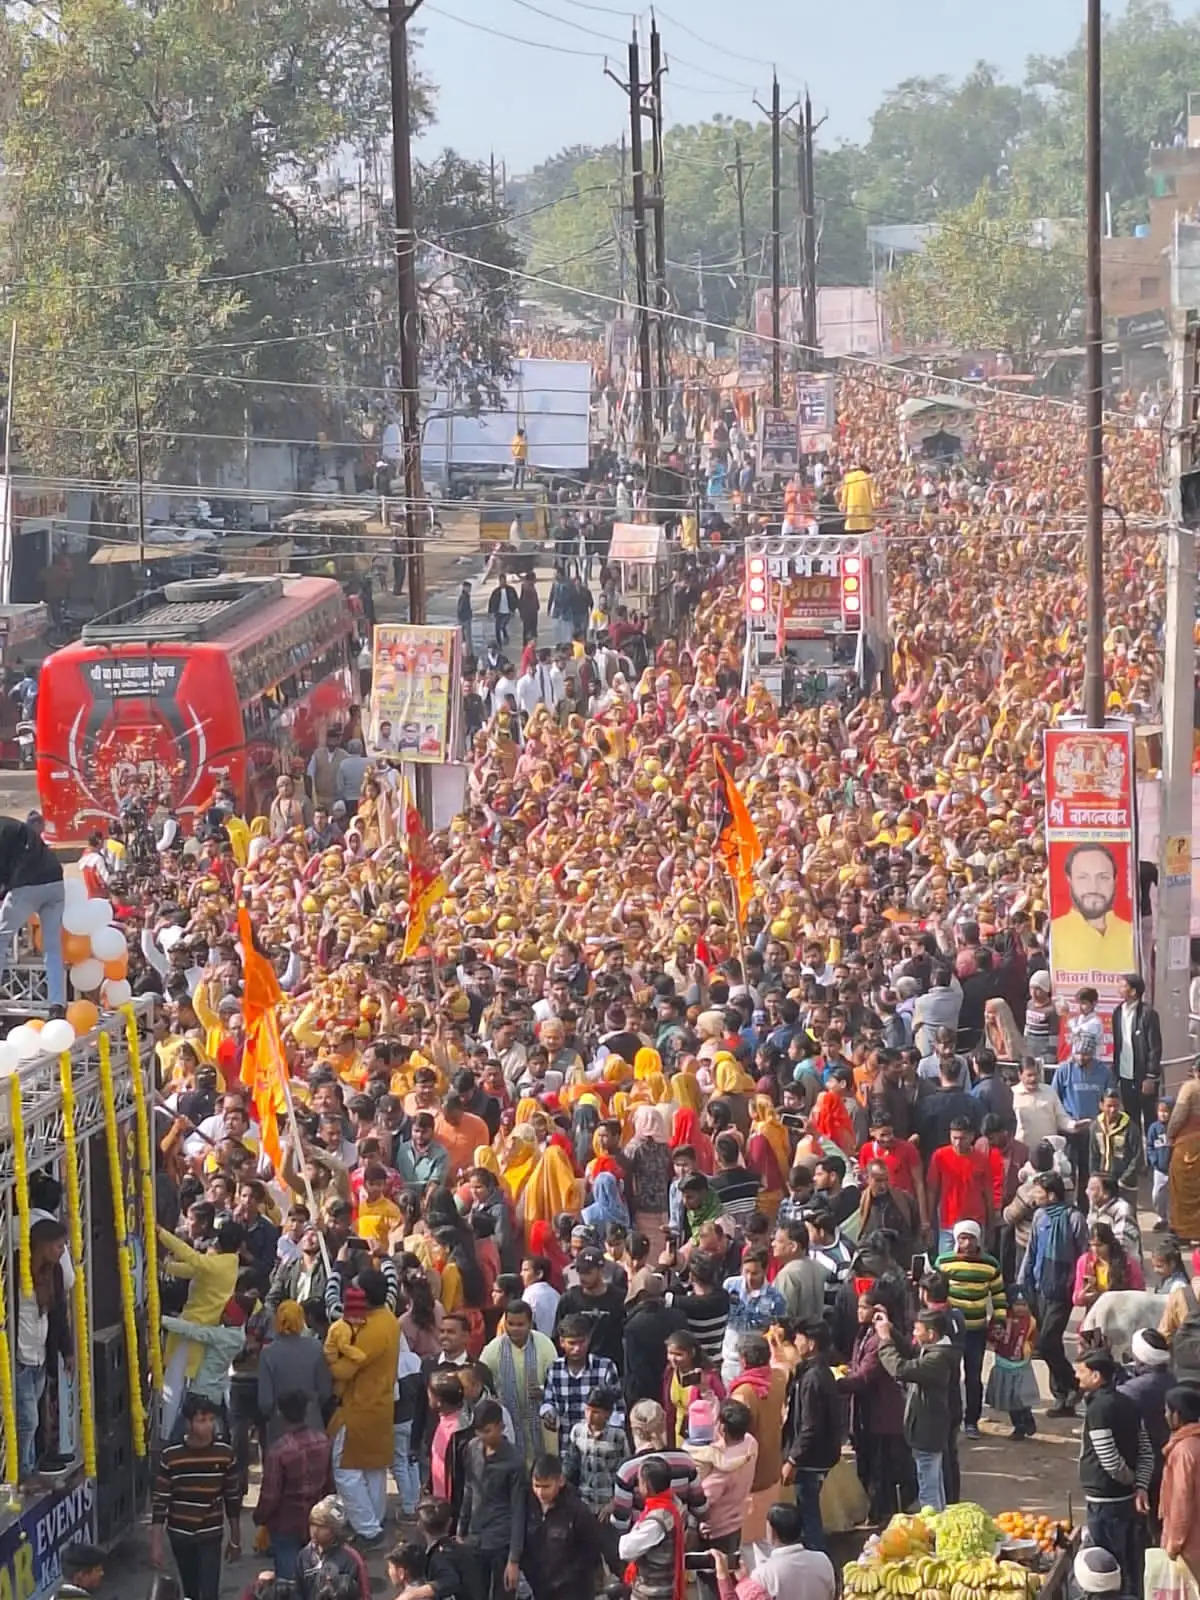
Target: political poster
(412, 677)
(776, 441)
(1091, 851)
(815, 411)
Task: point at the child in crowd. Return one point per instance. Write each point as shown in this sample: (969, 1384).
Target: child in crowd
(1158, 1156)
(1085, 1022)
(1012, 1386)
(595, 1449)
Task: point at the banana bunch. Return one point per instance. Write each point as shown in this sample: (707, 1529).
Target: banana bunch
(978, 1572)
(859, 1578)
(1012, 1576)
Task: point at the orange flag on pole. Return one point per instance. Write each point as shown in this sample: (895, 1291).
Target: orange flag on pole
(738, 842)
(262, 1061)
(426, 886)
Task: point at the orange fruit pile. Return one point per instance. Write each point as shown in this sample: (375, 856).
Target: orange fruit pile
(1029, 1525)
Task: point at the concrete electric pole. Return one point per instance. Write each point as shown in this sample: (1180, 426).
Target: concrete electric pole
(1172, 967)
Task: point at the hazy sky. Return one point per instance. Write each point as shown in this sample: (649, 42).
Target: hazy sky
(496, 93)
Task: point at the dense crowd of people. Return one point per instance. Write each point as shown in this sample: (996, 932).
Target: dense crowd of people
(607, 1219)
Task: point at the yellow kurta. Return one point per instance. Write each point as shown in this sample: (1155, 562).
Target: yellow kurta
(367, 1373)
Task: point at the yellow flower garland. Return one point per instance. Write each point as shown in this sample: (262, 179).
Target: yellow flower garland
(83, 1338)
(21, 1177)
(8, 1403)
(136, 1409)
(146, 1175)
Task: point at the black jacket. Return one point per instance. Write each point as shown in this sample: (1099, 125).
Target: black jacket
(25, 858)
(1146, 1039)
(931, 1375)
(647, 1329)
(286, 1279)
(1116, 1456)
(606, 1313)
(493, 1503)
(813, 1425)
(560, 1545)
(453, 1569)
(494, 599)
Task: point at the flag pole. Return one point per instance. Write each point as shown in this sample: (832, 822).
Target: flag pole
(736, 912)
(297, 1142)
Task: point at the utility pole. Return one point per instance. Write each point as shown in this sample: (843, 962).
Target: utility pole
(1173, 928)
(8, 499)
(642, 304)
(776, 382)
(492, 183)
(619, 231)
(808, 241)
(400, 13)
(658, 206)
(1093, 677)
(700, 305)
(739, 178)
(776, 118)
(141, 476)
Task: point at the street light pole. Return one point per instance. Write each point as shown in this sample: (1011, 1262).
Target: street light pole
(1093, 679)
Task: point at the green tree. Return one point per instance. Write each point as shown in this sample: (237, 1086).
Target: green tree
(173, 202)
(573, 236)
(984, 282)
(1150, 61)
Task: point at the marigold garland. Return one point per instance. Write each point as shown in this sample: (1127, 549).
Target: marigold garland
(8, 1403)
(83, 1335)
(21, 1182)
(146, 1176)
(136, 1408)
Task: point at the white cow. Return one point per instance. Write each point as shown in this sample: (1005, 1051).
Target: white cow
(1118, 1314)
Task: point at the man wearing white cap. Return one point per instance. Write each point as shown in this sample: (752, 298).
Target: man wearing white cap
(977, 1291)
(1094, 1571)
(1147, 1383)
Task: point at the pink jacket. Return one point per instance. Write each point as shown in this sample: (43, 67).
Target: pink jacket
(1177, 1497)
(727, 1473)
(1132, 1265)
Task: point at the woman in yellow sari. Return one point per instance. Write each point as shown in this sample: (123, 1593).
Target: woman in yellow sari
(735, 1087)
(686, 1091)
(646, 1062)
(552, 1188)
(517, 1166)
(768, 1154)
(527, 1109)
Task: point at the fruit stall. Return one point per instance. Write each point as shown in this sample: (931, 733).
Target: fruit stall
(963, 1553)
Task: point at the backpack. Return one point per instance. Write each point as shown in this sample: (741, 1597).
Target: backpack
(1185, 1346)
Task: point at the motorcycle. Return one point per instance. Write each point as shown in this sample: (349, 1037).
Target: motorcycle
(26, 733)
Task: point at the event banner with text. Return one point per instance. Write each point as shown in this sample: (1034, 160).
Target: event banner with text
(1091, 852)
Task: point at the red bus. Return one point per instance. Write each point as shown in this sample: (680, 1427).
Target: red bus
(215, 680)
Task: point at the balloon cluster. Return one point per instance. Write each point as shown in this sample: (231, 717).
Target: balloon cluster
(93, 948)
(97, 959)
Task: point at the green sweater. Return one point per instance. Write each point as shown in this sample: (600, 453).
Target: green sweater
(220, 1345)
(972, 1285)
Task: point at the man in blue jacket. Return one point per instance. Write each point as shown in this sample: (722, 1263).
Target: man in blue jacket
(1057, 1239)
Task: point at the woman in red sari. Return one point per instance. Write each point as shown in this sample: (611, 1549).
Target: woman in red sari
(543, 1241)
(768, 1154)
(686, 1129)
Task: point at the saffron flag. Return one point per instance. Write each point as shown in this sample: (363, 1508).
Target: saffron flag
(738, 842)
(426, 886)
(262, 1060)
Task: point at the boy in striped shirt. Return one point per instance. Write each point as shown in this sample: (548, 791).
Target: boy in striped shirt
(196, 1489)
(977, 1291)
